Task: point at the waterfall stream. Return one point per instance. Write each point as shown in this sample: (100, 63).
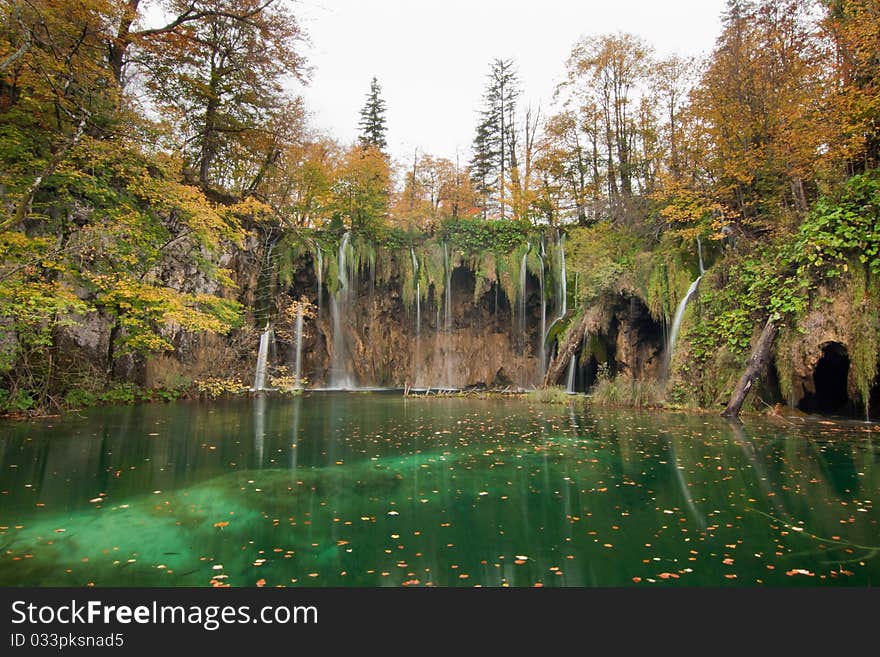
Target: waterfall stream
(262, 359)
(297, 363)
(523, 280)
(569, 381)
(563, 277)
(447, 298)
(542, 348)
(340, 371)
(682, 306)
(418, 358)
(319, 273)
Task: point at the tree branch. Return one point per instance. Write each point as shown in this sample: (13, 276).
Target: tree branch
(56, 159)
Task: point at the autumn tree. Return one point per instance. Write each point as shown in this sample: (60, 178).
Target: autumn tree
(92, 223)
(434, 188)
(568, 166)
(219, 80)
(361, 188)
(854, 28)
(762, 102)
(299, 186)
(607, 74)
(672, 79)
(372, 123)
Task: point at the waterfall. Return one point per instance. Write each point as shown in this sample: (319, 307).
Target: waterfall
(542, 349)
(700, 253)
(415, 263)
(262, 358)
(563, 276)
(679, 312)
(676, 322)
(523, 279)
(319, 273)
(448, 319)
(340, 374)
(447, 297)
(569, 384)
(298, 333)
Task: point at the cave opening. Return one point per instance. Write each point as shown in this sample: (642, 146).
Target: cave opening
(830, 396)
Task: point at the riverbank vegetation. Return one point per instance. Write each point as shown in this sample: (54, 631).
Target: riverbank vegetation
(159, 178)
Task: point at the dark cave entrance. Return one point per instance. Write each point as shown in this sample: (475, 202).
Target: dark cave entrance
(830, 383)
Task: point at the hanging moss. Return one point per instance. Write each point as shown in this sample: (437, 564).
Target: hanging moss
(409, 275)
(785, 342)
(664, 275)
(596, 348)
(865, 318)
(486, 273)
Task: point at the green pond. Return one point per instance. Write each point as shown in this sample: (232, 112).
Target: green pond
(347, 489)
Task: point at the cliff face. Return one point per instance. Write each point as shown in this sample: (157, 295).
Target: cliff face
(388, 343)
(482, 339)
(367, 326)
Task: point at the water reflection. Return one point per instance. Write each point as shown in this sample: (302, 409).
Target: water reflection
(350, 489)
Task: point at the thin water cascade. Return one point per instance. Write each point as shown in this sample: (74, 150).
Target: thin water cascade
(447, 267)
(298, 335)
(262, 360)
(319, 273)
(563, 276)
(523, 279)
(700, 254)
(679, 312)
(340, 372)
(569, 381)
(447, 297)
(418, 360)
(542, 349)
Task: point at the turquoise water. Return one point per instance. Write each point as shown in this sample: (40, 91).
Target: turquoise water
(342, 489)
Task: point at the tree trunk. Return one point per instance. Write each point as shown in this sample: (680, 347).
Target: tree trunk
(567, 350)
(756, 365)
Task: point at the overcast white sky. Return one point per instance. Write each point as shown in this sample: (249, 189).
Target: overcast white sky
(432, 57)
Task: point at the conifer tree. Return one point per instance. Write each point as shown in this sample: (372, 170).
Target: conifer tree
(495, 140)
(372, 123)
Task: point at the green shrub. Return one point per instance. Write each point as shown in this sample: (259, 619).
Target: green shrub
(552, 395)
(79, 398)
(624, 391)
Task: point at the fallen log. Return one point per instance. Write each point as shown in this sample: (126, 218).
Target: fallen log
(754, 368)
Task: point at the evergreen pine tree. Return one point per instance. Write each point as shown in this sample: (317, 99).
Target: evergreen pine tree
(372, 123)
(492, 158)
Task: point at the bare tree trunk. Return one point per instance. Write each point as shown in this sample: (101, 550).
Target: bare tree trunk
(756, 365)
